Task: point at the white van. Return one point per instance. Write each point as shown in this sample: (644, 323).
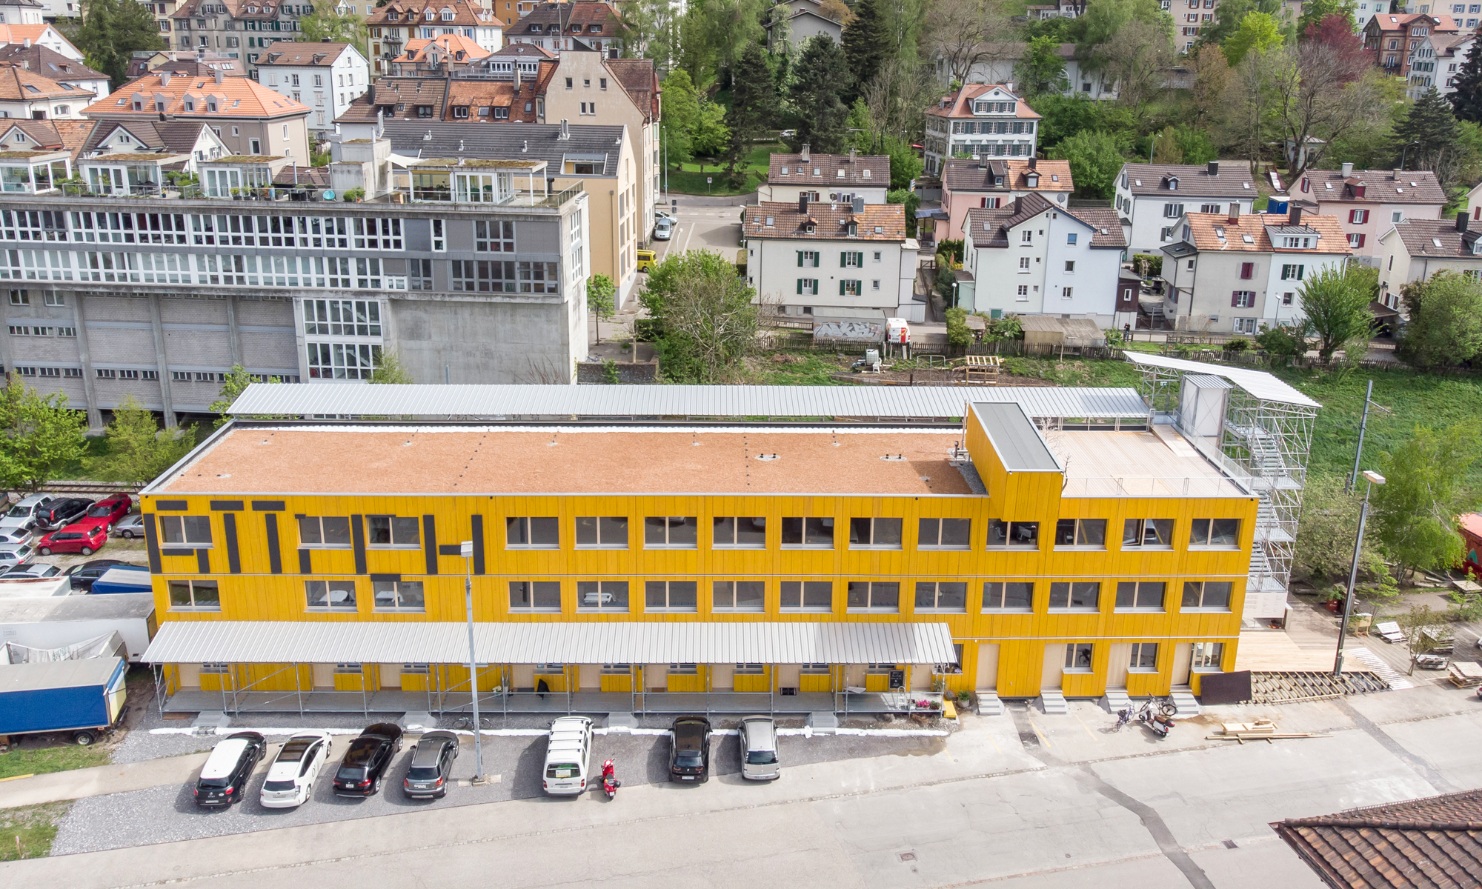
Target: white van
(568, 756)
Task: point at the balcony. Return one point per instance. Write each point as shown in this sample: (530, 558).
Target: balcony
(475, 181)
(33, 172)
(127, 174)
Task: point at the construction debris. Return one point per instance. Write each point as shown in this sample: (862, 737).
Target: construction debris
(1290, 686)
(1260, 730)
(1464, 674)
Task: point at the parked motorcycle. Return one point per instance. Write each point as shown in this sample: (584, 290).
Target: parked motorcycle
(1160, 720)
(610, 783)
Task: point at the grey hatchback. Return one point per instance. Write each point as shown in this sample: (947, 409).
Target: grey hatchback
(432, 766)
(759, 749)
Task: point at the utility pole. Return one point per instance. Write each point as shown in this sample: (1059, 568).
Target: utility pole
(1358, 454)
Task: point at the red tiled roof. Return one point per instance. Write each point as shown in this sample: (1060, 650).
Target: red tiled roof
(959, 104)
(829, 223)
(235, 97)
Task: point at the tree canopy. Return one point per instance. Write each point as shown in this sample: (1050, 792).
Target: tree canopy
(326, 22)
(110, 32)
(39, 436)
(138, 449)
(820, 79)
(1094, 159)
(1466, 101)
(704, 318)
(1336, 304)
(1445, 327)
(1415, 509)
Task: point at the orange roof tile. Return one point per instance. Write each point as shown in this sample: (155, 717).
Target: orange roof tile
(235, 97)
(1256, 233)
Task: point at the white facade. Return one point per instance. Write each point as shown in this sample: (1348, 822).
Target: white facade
(327, 89)
(1152, 199)
(979, 120)
(1416, 250)
(1080, 80)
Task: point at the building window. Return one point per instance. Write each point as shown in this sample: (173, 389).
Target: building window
(1207, 595)
(670, 532)
(602, 532)
(494, 236)
(332, 532)
(1292, 272)
(1014, 595)
(1022, 294)
(1070, 267)
(1247, 271)
(1358, 217)
(535, 595)
(194, 595)
(439, 236)
(1211, 208)
(943, 595)
(809, 532)
(1079, 595)
(807, 595)
(398, 595)
(56, 299)
(1147, 533)
(185, 530)
(602, 595)
(1207, 655)
(867, 533)
(1089, 533)
(873, 595)
(850, 287)
(1140, 595)
(1173, 211)
(1015, 534)
(944, 534)
(1245, 325)
(390, 530)
(330, 595)
(1144, 658)
(1078, 657)
(850, 259)
(1214, 532)
(1354, 241)
(1023, 263)
(670, 595)
(532, 532)
(739, 595)
(807, 286)
(1070, 239)
(739, 532)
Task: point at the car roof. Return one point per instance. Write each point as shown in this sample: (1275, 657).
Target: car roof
(224, 758)
(385, 729)
(438, 735)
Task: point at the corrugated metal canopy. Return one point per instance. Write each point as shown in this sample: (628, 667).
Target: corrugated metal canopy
(637, 642)
(577, 402)
(1262, 385)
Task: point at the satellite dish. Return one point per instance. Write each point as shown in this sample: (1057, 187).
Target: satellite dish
(328, 194)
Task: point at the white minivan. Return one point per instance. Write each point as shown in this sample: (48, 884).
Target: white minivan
(568, 756)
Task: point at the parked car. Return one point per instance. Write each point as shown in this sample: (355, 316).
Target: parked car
(32, 571)
(367, 760)
(128, 527)
(291, 777)
(646, 259)
(432, 766)
(83, 575)
(227, 769)
(689, 754)
(758, 736)
(73, 539)
(663, 229)
(16, 536)
(14, 555)
(62, 511)
(109, 511)
(23, 514)
(568, 756)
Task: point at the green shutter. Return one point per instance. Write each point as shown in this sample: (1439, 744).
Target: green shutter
(800, 285)
(800, 259)
(859, 260)
(841, 288)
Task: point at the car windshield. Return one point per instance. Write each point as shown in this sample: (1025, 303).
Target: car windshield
(213, 783)
(271, 786)
(360, 753)
(98, 512)
(687, 758)
(19, 512)
(761, 758)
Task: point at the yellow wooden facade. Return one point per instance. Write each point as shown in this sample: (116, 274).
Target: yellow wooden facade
(1011, 653)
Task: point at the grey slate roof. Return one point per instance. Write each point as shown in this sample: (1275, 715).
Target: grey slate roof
(990, 227)
(1193, 180)
(1437, 237)
(1380, 187)
(47, 62)
(174, 136)
(517, 141)
(800, 172)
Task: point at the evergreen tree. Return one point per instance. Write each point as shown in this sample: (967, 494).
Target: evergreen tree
(753, 104)
(1467, 100)
(821, 75)
(866, 45)
(1427, 138)
(110, 32)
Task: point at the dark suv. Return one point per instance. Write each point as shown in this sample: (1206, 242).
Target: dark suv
(367, 760)
(61, 512)
(224, 776)
(432, 765)
(689, 756)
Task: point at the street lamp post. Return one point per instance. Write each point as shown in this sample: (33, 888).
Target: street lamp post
(1373, 478)
(466, 550)
(1363, 425)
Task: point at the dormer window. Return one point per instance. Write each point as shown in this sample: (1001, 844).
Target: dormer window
(211, 106)
(839, 174)
(190, 104)
(429, 15)
(853, 229)
(808, 227)
(535, 28)
(447, 15)
(784, 171)
(864, 174)
(138, 105)
(1032, 179)
(1172, 183)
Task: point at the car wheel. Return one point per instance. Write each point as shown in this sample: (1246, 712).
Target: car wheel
(127, 535)
(376, 787)
(45, 550)
(84, 738)
(87, 550)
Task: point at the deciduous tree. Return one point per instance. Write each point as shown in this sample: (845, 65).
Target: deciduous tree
(39, 435)
(704, 317)
(1315, 12)
(1095, 158)
(236, 382)
(681, 117)
(1336, 304)
(327, 22)
(600, 293)
(138, 449)
(1041, 71)
(1445, 327)
(1415, 510)
(963, 34)
(389, 370)
(820, 79)
(1325, 535)
(1257, 32)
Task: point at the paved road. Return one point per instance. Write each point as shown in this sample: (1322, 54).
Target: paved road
(1024, 800)
(707, 224)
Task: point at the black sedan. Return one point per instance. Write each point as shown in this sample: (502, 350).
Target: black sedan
(432, 766)
(689, 755)
(82, 576)
(367, 760)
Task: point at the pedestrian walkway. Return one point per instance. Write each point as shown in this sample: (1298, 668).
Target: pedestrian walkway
(57, 787)
(1381, 668)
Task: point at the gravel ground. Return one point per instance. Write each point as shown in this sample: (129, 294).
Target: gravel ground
(114, 821)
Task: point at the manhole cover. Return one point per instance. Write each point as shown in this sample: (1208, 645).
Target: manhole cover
(907, 856)
(1029, 739)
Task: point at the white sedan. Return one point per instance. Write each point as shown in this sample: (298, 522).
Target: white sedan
(291, 777)
(664, 228)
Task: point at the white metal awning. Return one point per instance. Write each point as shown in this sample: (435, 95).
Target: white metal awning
(635, 642)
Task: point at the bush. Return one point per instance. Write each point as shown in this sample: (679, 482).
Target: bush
(1282, 343)
(958, 336)
(952, 250)
(1149, 265)
(1238, 344)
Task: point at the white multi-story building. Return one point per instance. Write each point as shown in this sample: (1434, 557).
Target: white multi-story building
(1236, 272)
(972, 184)
(1416, 249)
(1152, 198)
(395, 24)
(1035, 257)
(1435, 60)
(837, 262)
(325, 76)
(1080, 79)
(979, 120)
(1367, 203)
(1467, 15)
(826, 178)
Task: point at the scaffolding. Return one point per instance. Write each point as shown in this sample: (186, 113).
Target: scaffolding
(1264, 445)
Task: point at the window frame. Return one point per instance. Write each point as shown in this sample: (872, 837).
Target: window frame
(734, 606)
(395, 539)
(805, 523)
(528, 524)
(1077, 526)
(886, 588)
(874, 528)
(1205, 657)
(184, 527)
(717, 542)
(194, 603)
(1196, 594)
(597, 525)
(1001, 596)
(941, 525)
(803, 589)
(1010, 533)
(535, 590)
(666, 524)
(1143, 526)
(934, 588)
(414, 590)
(1137, 657)
(586, 588)
(668, 589)
(1071, 590)
(1137, 605)
(328, 587)
(1080, 658)
(1206, 540)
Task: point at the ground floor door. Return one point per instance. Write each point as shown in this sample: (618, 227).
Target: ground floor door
(722, 677)
(1052, 676)
(656, 677)
(1183, 655)
(920, 676)
(324, 676)
(589, 677)
(188, 675)
(1116, 667)
(987, 666)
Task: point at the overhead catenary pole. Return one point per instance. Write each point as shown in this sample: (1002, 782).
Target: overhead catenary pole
(1373, 478)
(466, 550)
(1363, 425)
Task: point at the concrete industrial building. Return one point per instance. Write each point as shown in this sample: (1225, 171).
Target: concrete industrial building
(1018, 542)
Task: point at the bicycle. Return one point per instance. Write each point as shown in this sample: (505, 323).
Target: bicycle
(1124, 716)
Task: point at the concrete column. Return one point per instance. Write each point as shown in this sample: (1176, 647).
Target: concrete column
(167, 396)
(84, 355)
(234, 333)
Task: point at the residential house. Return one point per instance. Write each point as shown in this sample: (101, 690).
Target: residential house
(1367, 202)
(325, 76)
(250, 118)
(1415, 249)
(1235, 272)
(981, 183)
(39, 35)
(833, 262)
(1032, 256)
(1392, 37)
(979, 120)
(30, 12)
(241, 29)
(394, 25)
(24, 93)
(826, 178)
(1001, 60)
(1060, 9)
(131, 158)
(583, 25)
(1435, 59)
(54, 66)
(191, 63)
(1152, 198)
(436, 56)
(1467, 15)
(49, 135)
(795, 22)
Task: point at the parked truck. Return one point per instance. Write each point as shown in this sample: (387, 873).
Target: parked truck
(123, 579)
(83, 698)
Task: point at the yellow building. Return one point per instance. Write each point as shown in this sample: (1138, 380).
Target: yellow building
(1039, 542)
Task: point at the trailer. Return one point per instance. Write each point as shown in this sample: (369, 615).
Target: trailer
(123, 579)
(83, 698)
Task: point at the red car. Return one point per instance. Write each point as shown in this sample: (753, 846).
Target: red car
(106, 512)
(75, 538)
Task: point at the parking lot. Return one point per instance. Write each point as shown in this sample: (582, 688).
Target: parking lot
(706, 224)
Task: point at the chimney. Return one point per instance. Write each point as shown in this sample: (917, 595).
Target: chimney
(1234, 217)
(858, 207)
(217, 72)
(565, 129)
(803, 154)
(517, 77)
(1461, 222)
(803, 203)
(1347, 169)
(1396, 174)
(1033, 162)
(1214, 168)
(1296, 216)
(164, 78)
(852, 153)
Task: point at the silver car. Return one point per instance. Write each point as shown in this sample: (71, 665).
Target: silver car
(12, 554)
(129, 527)
(758, 736)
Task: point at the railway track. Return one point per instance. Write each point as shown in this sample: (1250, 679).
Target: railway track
(84, 487)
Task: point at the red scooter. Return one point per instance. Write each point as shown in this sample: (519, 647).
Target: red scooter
(610, 783)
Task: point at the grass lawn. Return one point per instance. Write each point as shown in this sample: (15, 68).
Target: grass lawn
(28, 831)
(791, 369)
(40, 760)
(690, 178)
